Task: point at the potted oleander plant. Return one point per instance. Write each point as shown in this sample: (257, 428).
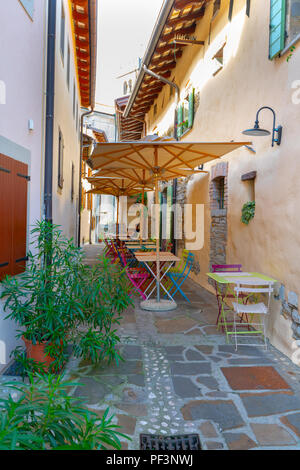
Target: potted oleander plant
(59, 301)
(43, 416)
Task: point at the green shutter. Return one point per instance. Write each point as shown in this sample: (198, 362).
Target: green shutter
(179, 121)
(277, 27)
(191, 109)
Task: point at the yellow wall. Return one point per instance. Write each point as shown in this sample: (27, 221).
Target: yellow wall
(228, 104)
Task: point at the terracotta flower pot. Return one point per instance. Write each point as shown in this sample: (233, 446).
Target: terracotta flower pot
(37, 352)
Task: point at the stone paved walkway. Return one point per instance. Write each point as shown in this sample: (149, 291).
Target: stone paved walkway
(180, 376)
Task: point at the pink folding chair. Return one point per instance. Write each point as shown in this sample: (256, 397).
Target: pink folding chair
(137, 276)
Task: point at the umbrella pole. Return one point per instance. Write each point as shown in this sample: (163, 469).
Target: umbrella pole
(157, 240)
(142, 214)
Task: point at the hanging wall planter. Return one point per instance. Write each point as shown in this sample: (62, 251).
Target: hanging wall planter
(248, 211)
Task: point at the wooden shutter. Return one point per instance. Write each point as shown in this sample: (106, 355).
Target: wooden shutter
(179, 121)
(191, 109)
(13, 215)
(277, 27)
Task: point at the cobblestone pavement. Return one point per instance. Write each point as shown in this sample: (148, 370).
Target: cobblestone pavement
(180, 376)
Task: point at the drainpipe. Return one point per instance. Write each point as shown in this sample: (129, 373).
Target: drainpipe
(80, 173)
(48, 172)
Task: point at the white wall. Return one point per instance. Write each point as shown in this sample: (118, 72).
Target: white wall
(22, 45)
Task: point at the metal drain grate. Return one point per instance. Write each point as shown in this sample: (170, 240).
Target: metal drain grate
(181, 442)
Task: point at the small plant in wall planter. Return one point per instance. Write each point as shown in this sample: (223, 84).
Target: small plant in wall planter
(248, 211)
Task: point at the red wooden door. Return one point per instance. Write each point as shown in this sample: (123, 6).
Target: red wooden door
(13, 215)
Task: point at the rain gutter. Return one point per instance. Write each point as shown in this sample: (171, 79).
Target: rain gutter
(93, 55)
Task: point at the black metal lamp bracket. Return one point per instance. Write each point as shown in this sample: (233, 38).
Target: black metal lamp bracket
(276, 130)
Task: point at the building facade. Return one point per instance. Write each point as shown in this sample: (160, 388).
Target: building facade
(41, 42)
(231, 59)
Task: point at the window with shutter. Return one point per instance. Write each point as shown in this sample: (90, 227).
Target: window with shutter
(13, 216)
(60, 181)
(179, 121)
(185, 114)
(277, 27)
(62, 32)
(72, 181)
(68, 66)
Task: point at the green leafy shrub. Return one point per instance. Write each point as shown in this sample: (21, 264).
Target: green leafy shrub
(60, 300)
(45, 417)
(248, 211)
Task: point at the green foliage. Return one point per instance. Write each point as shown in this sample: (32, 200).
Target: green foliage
(291, 53)
(248, 211)
(59, 299)
(45, 417)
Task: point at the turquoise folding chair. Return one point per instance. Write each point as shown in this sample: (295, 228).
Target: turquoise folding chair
(178, 279)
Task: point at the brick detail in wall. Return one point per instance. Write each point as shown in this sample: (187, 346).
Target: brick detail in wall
(218, 227)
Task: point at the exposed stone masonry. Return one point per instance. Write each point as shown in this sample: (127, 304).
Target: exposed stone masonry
(218, 228)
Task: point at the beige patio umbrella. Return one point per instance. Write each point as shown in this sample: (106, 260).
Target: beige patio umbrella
(155, 160)
(119, 186)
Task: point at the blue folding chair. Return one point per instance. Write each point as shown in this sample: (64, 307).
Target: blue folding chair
(179, 278)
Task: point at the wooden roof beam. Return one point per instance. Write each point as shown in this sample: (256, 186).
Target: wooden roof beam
(193, 15)
(149, 79)
(164, 58)
(172, 34)
(166, 47)
(145, 98)
(180, 4)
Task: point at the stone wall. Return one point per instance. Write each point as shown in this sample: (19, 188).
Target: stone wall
(218, 227)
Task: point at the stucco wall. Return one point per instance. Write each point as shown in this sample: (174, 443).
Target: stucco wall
(64, 209)
(228, 103)
(22, 45)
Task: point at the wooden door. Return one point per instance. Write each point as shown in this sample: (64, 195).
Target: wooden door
(13, 215)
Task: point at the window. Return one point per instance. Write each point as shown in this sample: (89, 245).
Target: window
(284, 25)
(74, 98)
(220, 191)
(62, 32)
(60, 180)
(68, 66)
(13, 216)
(72, 181)
(218, 59)
(185, 114)
(293, 20)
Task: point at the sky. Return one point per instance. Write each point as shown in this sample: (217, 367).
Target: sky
(124, 31)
